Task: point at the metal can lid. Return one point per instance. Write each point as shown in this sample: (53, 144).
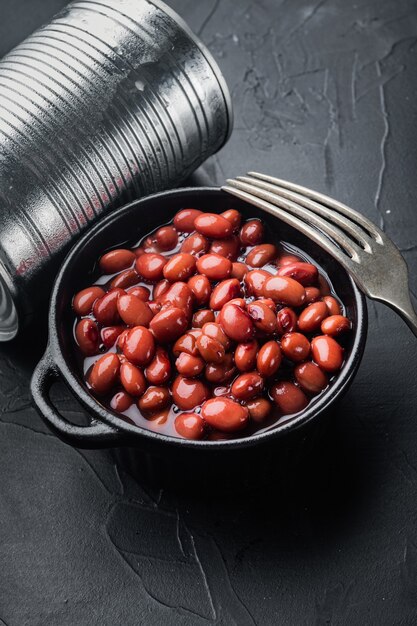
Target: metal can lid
(9, 323)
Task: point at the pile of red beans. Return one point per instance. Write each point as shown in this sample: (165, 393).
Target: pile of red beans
(204, 330)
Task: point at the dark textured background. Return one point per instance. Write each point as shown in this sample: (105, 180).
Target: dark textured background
(325, 95)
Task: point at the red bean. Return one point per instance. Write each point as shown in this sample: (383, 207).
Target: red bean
(132, 379)
(295, 346)
(155, 307)
(214, 330)
(323, 286)
(116, 261)
(87, 336)
(121, 401)
(189, 425)
(213, 226)
(166, 237)
(184, 220)
(139, 346)
(225, 291)
(158, 371)
(332, 305)
(125, 279)
(245, 355)
(236, 323)
(160, 288)
(247, 386)
(312, 295)
(154, 399)
(304, 273)
(252, 233)
(269, 303)
(220, 372)
(255, 281)
(104, 373)
(214, 266)
(335, 325)
(179, 267)
(200, 288)
(196, 244)
(105, 309)
(287, 259)
(189, 393)
(134, 312)
(241, 302)
(312, 316)
(228, 248)
(225, 414)
(201, 317)
(156, 419)
(284, 290)
(187, 343)
(210, 349)
(233, 216)
(151, 266)
(310, 377)
(269, 359)
(168, 325)
(263, 317)
(188, 365)
(83, 301)
(178, 295)
(259, 409)
(140, 292)
(288, 397)
(121, 340)
(239, 271)
(327, 353)
(110, 334)
(261, 255)
(286, 321)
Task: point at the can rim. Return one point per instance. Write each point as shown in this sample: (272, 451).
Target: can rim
(210, 60)
(9, 320)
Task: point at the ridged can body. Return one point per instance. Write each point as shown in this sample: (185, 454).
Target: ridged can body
(110, 101)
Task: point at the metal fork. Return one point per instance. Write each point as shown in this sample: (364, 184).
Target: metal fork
(365, 251)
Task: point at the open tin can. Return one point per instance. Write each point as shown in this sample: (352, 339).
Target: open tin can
(110, 101)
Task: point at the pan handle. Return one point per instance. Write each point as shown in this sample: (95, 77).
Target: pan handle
(96, 435)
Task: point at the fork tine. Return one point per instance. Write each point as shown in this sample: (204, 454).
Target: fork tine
(344, 223)
(295, 222)
(332, 231)
(371, 228)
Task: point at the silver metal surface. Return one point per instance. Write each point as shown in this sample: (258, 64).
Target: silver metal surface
(110, 101)
(364, 250)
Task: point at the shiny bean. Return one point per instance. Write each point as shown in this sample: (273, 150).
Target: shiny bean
(225, 414)
(196, 244)
(139, 346)
(335, 325)
(213, 226)
(134, 312)
(179, 267)
(83, 301)
(284, 290)
(287, 259)
(310, 377)
(116, 261)
(132, 379)
(240, 302)
(184, 220)
(295, 346)
(255, 281)
(304, 273)
(87, 336)
(189, 425)
(155, 307)
(247, 386)
(312, 295)
(105, 309)
(104, 373)
(140, 292)
(188, 365)
(121, 339)
(263, 317)
(225, 291)
(168, 325)
(269, 303)
(201, 317)
(232, 216)
(220, 372)
(211, 350)
(259, 409)
(151, 266)
(125, 279)
(154, 399)
(166, 238)
(333, 306)
(269, 359)
(121, 401)
(288, 397)
(110, 334)
(251, 233)
(157, 419)
(186, 343)
(286, 321)
(228, 248)
(327, 353)
(323, 286)
(160, 288)
(189, 393)
(261, 255)
(236, 323)
(312, 316)
(200, 288)
(245, 355)
(214, 330)
(214, 266)
(178, 295)
(158, 371)
(239, 271)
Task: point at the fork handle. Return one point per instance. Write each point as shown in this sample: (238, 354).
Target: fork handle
(405, 309)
